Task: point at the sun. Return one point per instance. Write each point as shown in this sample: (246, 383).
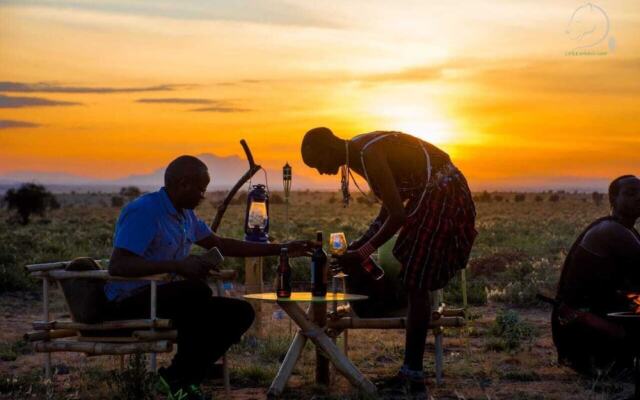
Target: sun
(423, 121)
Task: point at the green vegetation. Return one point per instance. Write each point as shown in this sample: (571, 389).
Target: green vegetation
(509, 332)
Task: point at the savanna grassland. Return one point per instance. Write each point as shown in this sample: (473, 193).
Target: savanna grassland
(504, 352)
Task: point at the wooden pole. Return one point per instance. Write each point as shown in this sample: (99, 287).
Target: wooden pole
(463, 283)
(94, 348)
(286, 368)
(321, 340)
(437, 332)
(153, 316)
(48, 335)
(319, 312)
(45, 317)
(253, 284)
(103, 326)
(388, 323)
(225, 365)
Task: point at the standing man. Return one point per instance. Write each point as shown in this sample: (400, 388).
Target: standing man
(424, 197)
(154, 235)
(602, 264)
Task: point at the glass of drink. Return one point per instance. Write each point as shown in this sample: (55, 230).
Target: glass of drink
(337, 244)
(337, 247)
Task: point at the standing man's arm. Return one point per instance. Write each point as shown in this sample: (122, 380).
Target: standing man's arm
(239, 248)
(374, 227)
(381, 177)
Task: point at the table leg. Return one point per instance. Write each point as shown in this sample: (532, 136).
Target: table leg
(317, 335)
(322, 362)
(289, 362)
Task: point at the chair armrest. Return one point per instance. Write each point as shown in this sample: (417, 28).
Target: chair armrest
(54, 265)
(97, 274)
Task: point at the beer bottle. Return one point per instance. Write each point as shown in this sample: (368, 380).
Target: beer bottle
(283, 286)
(319, 269)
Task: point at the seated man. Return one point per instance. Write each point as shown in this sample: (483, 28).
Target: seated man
(602, 264)
(154, 234)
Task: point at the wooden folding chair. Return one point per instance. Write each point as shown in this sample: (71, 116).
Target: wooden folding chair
(152, 335)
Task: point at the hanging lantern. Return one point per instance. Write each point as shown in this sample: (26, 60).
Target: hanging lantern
(286, 180)
(256, 220)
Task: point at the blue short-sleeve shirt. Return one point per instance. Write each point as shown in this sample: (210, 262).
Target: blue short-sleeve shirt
(152, 228)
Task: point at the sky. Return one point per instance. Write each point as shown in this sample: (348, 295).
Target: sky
(521, 94)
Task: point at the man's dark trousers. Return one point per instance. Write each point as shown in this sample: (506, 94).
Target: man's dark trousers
(207, 326)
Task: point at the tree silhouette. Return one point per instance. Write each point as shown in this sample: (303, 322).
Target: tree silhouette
(130, 192)
(30, 198)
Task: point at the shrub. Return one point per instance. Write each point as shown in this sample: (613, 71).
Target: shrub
(275, 198)
(134, 382)
(29, 199)
(130, 192)
(597, 198)
(485, 197)
(117, 201)
(554, 198)
(509, 331)
(520, 197)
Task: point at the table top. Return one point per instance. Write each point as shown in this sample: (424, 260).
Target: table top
(305, 297)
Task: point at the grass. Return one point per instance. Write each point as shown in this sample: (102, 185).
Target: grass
(519, 250)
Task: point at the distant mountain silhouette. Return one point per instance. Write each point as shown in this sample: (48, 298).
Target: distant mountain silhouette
(224, 171)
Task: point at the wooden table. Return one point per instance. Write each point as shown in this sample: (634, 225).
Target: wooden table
(312, 326)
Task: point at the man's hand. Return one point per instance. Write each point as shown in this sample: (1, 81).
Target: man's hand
(195, 267)
(300, 248)
(351, 257)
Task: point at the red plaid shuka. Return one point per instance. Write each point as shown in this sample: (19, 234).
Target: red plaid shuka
(435, 241)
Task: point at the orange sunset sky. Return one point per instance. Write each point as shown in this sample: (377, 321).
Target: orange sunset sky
(520, 94)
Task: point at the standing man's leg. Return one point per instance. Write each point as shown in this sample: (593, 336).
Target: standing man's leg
(418, 318)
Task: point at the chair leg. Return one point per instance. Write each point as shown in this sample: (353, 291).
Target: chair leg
(225, 375)
(45, 318)
(439, 353)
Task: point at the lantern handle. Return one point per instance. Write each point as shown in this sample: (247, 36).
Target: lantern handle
(253, 168)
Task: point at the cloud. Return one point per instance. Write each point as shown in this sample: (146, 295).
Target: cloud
(221, 109)
(219, 106)
(20, 102)
(268, 12)
(8, 123)
(44, 87)
(176, 101)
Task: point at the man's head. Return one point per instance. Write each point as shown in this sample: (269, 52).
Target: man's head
(624, 196)
(186, 179)
(322, 150)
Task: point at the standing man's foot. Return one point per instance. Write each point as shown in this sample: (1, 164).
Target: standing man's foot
(403, 387)
(175, 388)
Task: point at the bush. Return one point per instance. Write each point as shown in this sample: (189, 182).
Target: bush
(485, 197)
(276, 199)
(520, 197)
(29, 199)
(117, 201)
(509, 332)
(134, 382)
(554, 198)
(597, 198)
(519, 284)
(130, 192)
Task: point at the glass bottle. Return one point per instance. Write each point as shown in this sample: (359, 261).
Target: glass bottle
(283, 287)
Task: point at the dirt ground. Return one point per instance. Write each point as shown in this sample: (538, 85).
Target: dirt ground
(470, 370)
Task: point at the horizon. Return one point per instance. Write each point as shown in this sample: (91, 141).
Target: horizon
(106, 89)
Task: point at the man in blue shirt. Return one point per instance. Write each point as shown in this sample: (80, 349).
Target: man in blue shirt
(153, 235)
